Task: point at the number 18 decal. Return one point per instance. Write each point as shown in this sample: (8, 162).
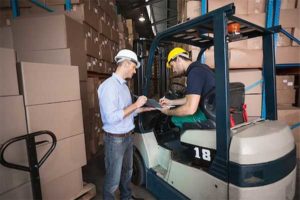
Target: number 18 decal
(205, 154)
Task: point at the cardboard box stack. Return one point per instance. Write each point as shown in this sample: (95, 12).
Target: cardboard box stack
(91, 115)
(123, 33)
(12, 123)
(46, 99)
(88, 36)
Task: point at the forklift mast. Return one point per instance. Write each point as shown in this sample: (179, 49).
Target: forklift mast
(206, 31)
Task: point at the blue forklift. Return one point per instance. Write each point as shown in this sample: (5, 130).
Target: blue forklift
(252, 160)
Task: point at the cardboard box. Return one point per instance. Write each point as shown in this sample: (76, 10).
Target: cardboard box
(238, 44)
(245, 58)
(64, 119)
(251, 78)
(13, 124)
(8, 73)
(6, 38)
(286, 96)
(95, 65)
(256, 6)
(49, 83)
(289, 18)
(5, 17)
(91, 41)
(296, 34)
(258, 19)
(283, 40)
(241, 6)
(192, 9)
(289, 114)
(104, 45)
(115, 35)
(57, 56)
(68, 155)
(288, 4)
(53, 31)
(121, 22)
(87, 12)
(108, 7)
(104, 24)
(285, 82)
(253, 102)
(288, 55)
(64, 187)
(23, 192)
(239, 58)
(130, 26)
(255, 43)
(92, 14)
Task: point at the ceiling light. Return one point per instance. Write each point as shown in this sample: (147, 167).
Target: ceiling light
(142, 18)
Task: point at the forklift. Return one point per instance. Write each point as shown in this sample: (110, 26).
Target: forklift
(252, 160)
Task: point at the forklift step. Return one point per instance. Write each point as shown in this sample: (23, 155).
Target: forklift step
(160, 171)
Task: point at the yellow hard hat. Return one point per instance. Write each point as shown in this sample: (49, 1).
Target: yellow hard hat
(174, 53)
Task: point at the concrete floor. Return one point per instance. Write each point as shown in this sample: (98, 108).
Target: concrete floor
(93, 172)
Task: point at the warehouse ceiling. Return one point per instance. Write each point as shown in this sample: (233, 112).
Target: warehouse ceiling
(159, 15)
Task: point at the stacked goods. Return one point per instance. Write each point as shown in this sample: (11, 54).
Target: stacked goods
(57, 35)
(49, 100)
(87, 36)
(123, 33)
(91, 116)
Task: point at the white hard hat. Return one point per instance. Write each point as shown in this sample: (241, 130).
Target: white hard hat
(126, 54)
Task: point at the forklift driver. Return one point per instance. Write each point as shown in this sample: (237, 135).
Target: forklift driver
(200, 80)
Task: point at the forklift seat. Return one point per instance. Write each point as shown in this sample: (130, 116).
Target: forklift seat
(208, 107)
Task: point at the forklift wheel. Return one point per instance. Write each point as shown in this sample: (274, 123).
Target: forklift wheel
(139, 173)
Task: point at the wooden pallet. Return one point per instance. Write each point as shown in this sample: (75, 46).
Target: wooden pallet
(88, 192)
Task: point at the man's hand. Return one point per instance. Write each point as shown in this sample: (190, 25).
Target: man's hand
(165, 102)
(141, 101)
(165, 111)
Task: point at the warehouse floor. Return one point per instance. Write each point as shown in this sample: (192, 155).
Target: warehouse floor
(93, 172)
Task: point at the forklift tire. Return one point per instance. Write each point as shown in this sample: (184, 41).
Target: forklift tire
(139, 172)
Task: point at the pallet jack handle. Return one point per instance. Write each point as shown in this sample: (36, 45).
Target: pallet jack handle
(34, 164)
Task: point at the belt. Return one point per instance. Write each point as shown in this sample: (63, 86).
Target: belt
(119, 135)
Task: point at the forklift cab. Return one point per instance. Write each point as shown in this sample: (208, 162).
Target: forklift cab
(213, 160)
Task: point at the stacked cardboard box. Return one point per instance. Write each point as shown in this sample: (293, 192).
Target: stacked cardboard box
(12, 123)
(57, 35)
(92, 24)
(54, 89)
(123, 33)
(49, 99)
(100, 33)
(93, 136)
